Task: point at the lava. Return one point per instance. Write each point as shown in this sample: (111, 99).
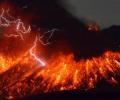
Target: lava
(61, 73)
(21, 77)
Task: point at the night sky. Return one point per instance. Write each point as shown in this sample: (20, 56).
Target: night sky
(104, 12)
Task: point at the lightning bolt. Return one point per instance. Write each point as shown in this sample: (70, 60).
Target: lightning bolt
(20, 27)
(50, 32)
(33, 54)
(3, 21)
(21, 30)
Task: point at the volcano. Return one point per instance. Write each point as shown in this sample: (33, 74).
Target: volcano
(72, 60)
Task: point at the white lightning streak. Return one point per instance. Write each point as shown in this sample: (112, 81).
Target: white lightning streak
(3, 21)
(34, 56)
(51, 32)
(20, 28)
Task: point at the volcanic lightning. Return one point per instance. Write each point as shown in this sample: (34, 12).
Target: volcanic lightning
(20, 28)
(62, 71)
(33, 55)
(51, 32)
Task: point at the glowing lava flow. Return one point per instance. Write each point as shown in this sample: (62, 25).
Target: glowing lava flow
(62, 73)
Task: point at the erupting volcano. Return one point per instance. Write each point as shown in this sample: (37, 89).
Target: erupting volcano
(24, 72)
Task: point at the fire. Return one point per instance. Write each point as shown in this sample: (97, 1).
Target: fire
(21, 76)
(62, 72)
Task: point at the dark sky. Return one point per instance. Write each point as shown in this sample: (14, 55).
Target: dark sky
(104, 12)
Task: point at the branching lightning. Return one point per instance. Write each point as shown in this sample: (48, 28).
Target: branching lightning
(50, 32)
(6, 20)
(61, 72)
(19, 25)
(33, 54)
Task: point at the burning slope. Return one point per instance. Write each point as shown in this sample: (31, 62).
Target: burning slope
(61, 73)
(26, 73)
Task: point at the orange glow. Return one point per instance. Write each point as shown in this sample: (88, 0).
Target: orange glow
(93, 27)
(22, 75)
(61, 73)
(64, 73)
